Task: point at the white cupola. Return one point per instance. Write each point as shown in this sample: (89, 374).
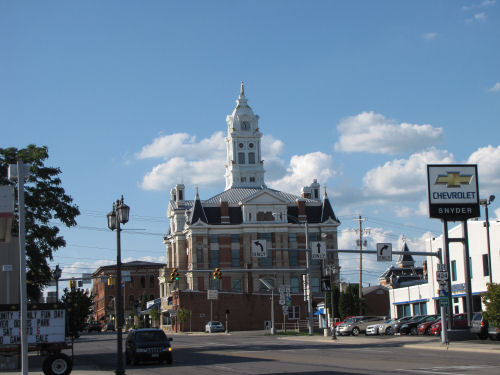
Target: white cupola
(244, 164)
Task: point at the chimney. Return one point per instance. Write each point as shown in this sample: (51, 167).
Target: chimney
(224, 212)
(301, 204)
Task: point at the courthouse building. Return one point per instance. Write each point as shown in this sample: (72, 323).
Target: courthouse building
(218, 232)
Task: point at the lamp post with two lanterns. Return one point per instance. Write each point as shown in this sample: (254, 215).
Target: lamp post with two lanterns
(119, 215)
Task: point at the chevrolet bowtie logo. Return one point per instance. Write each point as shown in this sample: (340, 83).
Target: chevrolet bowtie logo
(453, 179)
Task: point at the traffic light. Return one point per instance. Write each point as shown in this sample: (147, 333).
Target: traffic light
(174, 275)
(217, 274)
(72, 284)
(111, 281)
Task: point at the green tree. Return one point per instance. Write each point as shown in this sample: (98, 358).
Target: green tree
(183, 315)
(349, 302)
(154, 313)
(45, 201)
(491, 299)
(78, 305)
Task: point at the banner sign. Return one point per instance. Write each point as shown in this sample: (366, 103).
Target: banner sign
(453, 191)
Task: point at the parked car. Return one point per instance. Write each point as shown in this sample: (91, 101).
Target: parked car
(494, 332)
(410, 327)
(459, 321)
(372, 330)
(94, 326)
(147, 344)
(479, 326)
(382, 327)
(109, 326)
(348, 317)
(394, 327)
(214, 326)
(424, 328)
(357, 325)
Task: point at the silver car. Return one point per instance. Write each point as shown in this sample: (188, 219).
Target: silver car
(382, 328)
(357, 325)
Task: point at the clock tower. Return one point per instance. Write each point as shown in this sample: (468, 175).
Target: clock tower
(244, 164)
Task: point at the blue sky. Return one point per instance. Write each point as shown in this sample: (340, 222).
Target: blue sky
(131, 98)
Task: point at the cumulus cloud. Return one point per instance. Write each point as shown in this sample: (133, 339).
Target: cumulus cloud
(374, 133)
(403, 178)
(186, 159)
(430, 36)
(186, 145)
(488, 162)
(303, 169)
(495, 88)
(274, 165)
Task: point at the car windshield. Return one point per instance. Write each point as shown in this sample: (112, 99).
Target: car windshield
(147, 336)
(216, 323)
(352, 320)
(388, 321)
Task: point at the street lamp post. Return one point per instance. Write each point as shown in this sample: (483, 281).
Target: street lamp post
(56, 274)
(486, 203)
(119, 215)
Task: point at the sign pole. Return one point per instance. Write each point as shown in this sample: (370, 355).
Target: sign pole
(446, 261)
(468, 286)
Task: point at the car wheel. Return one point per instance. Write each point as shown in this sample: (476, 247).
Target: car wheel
(428, 331)
(355, 331)
(482, 336)
(169, 358)
(413, 331)
(388, 331)
(57, 364)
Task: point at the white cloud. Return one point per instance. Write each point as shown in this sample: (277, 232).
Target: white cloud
(480, 17)
(495, 88)
(488, 161)
(303, 169)
(274, 165)
(403, 178)
(374, 133)
(430, 36)
(497, 213)
(185, 145)
(208, 172)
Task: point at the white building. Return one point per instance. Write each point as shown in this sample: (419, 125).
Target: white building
(423, 298)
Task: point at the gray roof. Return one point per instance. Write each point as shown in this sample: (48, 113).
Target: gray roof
(236, 195)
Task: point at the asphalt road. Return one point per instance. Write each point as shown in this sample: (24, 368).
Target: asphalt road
(256, 353)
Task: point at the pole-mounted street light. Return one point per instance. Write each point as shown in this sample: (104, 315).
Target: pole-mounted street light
(56, 274)
(270, 287)
(486, 203)
(119, 215)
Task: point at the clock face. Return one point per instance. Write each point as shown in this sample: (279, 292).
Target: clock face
(245, 125)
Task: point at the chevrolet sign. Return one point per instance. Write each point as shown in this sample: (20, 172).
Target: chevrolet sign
(453, 191)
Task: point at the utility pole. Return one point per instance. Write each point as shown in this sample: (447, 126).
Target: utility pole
(361, 232)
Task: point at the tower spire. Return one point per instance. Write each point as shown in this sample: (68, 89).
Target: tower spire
(242, 90)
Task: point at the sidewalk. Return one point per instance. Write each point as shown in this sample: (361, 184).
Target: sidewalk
(418, 342)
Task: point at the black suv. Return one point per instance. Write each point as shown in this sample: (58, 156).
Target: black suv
(147, 344)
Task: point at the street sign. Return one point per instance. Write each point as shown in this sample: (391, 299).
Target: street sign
(441, 275)
(282, 301)
(259, 249)
(443, 302)
(384, 252)
(285, 308)
(453, 191)
(212, 294)
(442, 267)
(318, 250)
(443, 293)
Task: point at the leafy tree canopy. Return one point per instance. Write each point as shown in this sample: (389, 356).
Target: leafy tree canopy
(492, 301)
(45, 200)
(78, 309)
